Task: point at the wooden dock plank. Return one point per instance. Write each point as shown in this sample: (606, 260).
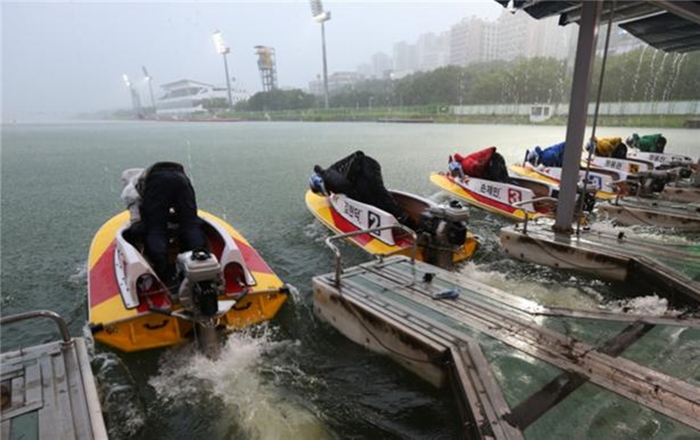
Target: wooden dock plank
(33, 384)
(47, 414)
(30, 353)
(76, 395)
(18, 390)
(92, 401)
(5, 429)
(64, 405)
(484, 396)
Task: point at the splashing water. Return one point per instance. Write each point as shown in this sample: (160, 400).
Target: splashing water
(648, 90)
(643, 305)
(248, 379)
(660, 72)
(635, 79)
(125, 412)
(534, 289)
(675, 69)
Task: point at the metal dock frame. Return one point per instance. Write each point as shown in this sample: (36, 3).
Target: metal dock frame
(389, 307)
(49, 389)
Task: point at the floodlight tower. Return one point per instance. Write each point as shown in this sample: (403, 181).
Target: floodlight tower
(149, 80)
(223, 50)
(135, 98)
(267, 66)
(321, 16)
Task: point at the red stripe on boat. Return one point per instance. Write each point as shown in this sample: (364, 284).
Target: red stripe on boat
(103, 281)
(344, 225)
(487, 201)
(253, 260)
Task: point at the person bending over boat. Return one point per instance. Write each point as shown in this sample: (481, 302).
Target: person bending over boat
(552, 156)
(650, 143)
(155, 196)
(360, 178)
(608, 147)
(484, 164)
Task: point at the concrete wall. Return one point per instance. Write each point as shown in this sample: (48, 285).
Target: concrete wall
(606, 108)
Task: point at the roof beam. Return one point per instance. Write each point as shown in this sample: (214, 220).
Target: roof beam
(690, 10)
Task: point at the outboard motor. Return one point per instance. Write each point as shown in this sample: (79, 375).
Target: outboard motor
(655, 182)
(695, 176)
(645, 184)
(445, 228)
(683, 171)
(202, 283)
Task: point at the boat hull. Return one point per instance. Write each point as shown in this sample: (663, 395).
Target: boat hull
(322, 208)
(632, 211)
(659, 159)
(480, 198)
(133, 328)
(552, 176)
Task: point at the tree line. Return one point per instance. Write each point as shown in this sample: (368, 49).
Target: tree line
(641, 75)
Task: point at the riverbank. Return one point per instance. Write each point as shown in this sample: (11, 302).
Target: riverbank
(391, 116)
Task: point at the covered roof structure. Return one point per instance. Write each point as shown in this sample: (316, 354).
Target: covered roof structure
(669, 25)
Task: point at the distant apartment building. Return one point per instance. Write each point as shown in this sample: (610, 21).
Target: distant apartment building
(473, 40)
(382, 65)
(520, 36)
(316, 86)
(433, 51)
(185, 97)
(459, 44)
(336, 82)
(365, 70)
(405, 58)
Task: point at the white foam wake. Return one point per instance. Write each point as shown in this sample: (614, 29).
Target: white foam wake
(249, 382)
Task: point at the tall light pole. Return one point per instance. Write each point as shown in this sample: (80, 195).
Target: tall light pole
(321, 16)
(223, 50)
(135, 99)
(149, 79)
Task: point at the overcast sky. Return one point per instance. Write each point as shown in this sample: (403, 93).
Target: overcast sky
(59, 58)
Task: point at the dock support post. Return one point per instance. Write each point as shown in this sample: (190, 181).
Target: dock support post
(578, 110)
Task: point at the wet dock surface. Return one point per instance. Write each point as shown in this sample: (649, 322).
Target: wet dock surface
(673, 268)
(48, 392)
(515, 366)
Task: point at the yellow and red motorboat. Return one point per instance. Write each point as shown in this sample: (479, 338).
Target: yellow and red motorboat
(227, 286)
(443, 238)
(516, 200)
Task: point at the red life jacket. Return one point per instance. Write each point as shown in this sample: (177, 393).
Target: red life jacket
(476, 164)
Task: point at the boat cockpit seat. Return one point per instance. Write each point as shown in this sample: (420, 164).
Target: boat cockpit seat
(134, 235)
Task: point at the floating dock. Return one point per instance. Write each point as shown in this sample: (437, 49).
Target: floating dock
(518, 369)
(629, 211)
(674, 269)
(48, 390)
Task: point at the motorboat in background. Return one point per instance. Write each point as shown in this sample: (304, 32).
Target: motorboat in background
(349, 197)
(438, 232)
(482, 180)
